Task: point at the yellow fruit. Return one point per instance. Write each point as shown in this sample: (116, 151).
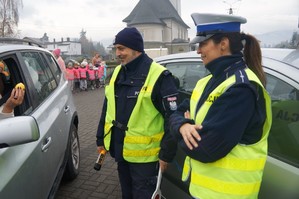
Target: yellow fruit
(20, 85)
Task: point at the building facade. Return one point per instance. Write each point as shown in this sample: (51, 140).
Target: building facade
(160, 24)
(68, 48)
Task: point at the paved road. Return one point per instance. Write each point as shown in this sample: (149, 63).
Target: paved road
(91, 184)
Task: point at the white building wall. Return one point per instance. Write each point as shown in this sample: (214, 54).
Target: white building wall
(151, 33)
(177, 5)
(156, 52)
(173, 30)
(74, 49)
(161, 33)
(67, 48)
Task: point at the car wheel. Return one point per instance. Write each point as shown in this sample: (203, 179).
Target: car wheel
(73, 154)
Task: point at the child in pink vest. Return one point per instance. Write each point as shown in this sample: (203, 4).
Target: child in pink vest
(91, 76)
(83, 76)
(70, 75)
(76, 77)
(101, 74)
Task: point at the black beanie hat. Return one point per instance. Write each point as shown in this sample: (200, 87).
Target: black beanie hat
(131, 38)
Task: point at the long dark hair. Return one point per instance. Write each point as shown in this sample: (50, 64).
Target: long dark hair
(252, 51)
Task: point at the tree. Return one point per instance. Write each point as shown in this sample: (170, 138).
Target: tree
(100, 49)
(84, 42)
(9, 16)
(294, 40)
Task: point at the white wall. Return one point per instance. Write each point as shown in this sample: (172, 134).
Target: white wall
(67, 48)
(160, 33)
(156, 52)
(177, 5)
(152, 32)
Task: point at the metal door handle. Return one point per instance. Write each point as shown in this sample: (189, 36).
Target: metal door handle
(66, 109)
(46, 144)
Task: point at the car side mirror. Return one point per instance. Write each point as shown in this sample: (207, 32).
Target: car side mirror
(18, 130)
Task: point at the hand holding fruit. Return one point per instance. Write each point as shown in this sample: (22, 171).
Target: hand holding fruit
(16, 98)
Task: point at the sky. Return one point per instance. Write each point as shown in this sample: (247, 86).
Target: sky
(102, 19)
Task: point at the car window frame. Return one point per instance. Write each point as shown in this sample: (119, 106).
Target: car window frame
(18, 74)
(293, 83)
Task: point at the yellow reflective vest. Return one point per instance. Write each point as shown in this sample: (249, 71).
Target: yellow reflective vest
(145, 125)
(238, 175)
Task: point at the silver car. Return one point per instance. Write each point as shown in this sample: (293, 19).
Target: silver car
(40, 144)
(281, 175)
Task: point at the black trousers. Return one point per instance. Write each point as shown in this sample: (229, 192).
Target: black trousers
(137, 180)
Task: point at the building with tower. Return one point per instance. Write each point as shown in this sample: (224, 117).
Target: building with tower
(160, 24)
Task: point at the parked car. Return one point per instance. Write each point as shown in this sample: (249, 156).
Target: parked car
(40, 145)
(281, 174)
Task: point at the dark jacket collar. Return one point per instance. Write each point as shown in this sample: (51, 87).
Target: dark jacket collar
(133, 65)
(220, 65)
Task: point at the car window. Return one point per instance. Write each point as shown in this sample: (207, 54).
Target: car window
(43, 79)
(55, 69)
(10, 78)
(187, 73)
(284, 134)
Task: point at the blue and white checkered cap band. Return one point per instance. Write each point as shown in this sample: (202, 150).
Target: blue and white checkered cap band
(204, 29)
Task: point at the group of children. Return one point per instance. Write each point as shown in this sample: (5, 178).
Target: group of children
(85, 76)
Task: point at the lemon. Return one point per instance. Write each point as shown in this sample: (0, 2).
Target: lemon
(20, 85)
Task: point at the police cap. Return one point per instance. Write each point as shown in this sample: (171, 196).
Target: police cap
(209, 24)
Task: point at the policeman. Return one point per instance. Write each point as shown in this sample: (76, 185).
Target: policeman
(225, 133)
(134, 122)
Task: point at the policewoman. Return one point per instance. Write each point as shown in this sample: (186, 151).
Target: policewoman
(134, 122)
(223, 129)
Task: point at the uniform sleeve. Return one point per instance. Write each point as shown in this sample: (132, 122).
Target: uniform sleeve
(165, 100)
(100, 131)
(224, 124)
(177, 119)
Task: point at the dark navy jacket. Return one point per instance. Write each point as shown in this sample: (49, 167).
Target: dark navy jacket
(127, 86)
(236, 117)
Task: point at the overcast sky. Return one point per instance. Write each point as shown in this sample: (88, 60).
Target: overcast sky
(102, 19)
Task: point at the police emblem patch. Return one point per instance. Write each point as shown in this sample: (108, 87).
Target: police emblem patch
(173, 106)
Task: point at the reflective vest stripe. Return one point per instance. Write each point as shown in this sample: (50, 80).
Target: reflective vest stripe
(144, 139)
(225, 187)
(148, 153)
(241, 164)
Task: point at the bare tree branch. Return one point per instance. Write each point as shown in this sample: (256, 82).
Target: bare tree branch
(9, 17)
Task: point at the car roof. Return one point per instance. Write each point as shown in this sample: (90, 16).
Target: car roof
(181, 56)
(14, 47)
(8, 44)
(284, 61)
(289, 56)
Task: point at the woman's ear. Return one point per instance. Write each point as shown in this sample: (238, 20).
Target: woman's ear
(224, 46)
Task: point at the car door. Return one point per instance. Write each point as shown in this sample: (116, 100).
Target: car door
(281, 174)
(33, 167)
(15, 175)
(52, 116)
